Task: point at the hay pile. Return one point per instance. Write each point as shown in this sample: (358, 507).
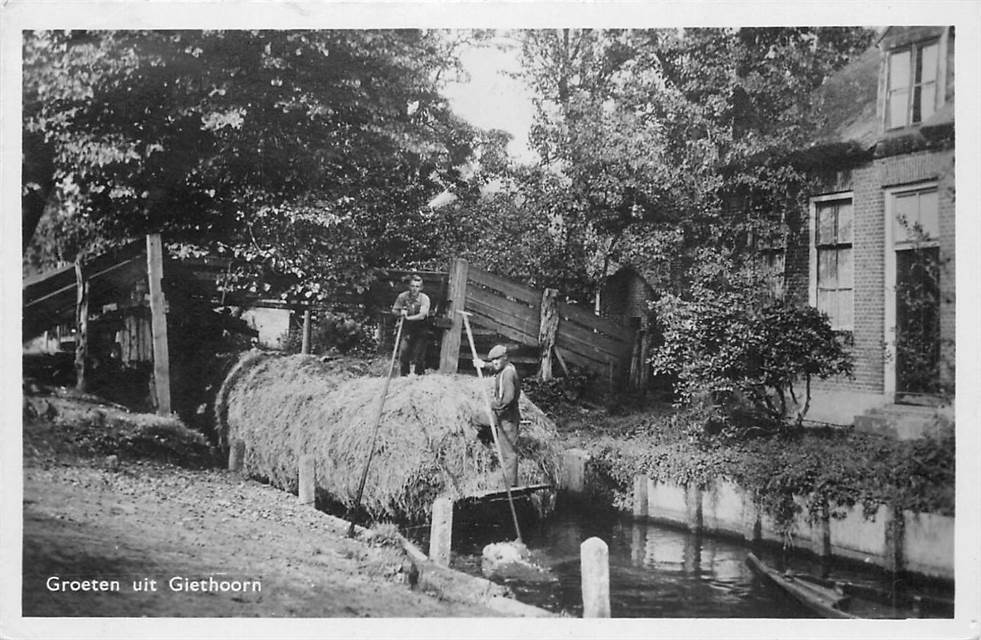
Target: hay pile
(427, 445)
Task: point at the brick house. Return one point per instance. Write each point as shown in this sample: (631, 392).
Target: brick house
(875, 249)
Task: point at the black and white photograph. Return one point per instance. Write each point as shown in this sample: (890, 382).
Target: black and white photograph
(583, 319)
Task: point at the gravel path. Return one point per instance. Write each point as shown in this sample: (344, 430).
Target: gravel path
(139, 521)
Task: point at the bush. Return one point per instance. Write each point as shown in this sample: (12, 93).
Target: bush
(727, 344)
(550, 395)
(336, 331)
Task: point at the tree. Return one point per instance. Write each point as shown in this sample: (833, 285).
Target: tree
(673, 139)
(310, 155)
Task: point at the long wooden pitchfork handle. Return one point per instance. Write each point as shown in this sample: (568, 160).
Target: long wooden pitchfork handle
(374, 432)
(493, 421)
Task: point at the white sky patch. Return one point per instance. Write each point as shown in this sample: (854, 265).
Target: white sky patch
(493, 100)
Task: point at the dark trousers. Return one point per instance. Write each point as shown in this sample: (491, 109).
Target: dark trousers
(507, 435)
(413, 350)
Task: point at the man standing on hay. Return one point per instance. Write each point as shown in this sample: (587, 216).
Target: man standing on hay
(507, 389)
(413, 306)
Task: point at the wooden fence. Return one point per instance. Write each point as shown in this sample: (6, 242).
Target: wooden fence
(579, 337)
(531, 317)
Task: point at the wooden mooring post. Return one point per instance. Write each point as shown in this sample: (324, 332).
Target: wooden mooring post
(236, 456)
(441, 531)
(306, 492)
(595, 566)
(640, 496)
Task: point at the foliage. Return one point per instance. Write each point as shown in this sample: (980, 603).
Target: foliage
(729, 340)
(787, 473)
(919, 345)
(336, 332)
(519, 232)
(307, 155)
(667, 140)
(550, 395)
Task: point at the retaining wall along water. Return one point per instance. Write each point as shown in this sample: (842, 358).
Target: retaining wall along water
(920, 543)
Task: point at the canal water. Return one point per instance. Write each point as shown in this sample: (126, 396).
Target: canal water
(656, 571)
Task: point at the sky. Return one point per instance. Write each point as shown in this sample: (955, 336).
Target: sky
(493, 100)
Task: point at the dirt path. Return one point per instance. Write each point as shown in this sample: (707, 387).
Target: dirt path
(151, 521)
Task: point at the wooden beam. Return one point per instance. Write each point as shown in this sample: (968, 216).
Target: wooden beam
(547, 326)
(81, 327)
(456, 296)
(558, 356)
(158, 323)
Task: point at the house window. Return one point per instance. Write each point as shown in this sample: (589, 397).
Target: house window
(832, 275)
(915, 220)
(912, 79)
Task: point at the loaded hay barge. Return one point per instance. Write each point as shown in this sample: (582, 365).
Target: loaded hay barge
(280, 408)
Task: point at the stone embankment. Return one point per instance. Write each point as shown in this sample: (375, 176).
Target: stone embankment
(918, 543)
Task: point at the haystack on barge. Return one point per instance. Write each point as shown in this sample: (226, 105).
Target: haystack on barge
(428, 445)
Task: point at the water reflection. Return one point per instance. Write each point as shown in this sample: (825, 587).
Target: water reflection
(655, 571)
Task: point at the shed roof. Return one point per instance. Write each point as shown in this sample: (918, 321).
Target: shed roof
(49, 298)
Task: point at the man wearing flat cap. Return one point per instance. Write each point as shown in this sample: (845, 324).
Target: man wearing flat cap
(507, 389)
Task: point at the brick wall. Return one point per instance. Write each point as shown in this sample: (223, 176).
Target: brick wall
(867, 184)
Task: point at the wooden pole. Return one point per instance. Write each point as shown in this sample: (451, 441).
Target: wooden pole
(306, 492)
(374, 431)
(558, 356)
(645, 348)
(493, 424)
(640, 496)
(595, 564)
(81, 328)
(456, 296)
(236, 455)
(548, 325)
(305, 347)
(441, 531)
(158, 322)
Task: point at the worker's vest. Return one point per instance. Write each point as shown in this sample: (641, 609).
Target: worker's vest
(511, 411)
(412, 305)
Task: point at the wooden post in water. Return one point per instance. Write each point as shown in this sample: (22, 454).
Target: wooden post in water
(640, 496)
(306, 492)
(548, 325)
(236, 456)
(456, 295)
(595, 561)
(822, 546)
(441, 531)
(305, 344)
(158, 323)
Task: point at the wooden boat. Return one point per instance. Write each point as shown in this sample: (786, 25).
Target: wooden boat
(839, 599)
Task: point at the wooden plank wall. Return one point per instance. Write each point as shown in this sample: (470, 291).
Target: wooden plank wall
(513, 310)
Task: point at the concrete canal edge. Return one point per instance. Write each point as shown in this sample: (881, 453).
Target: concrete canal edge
(917, 543)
